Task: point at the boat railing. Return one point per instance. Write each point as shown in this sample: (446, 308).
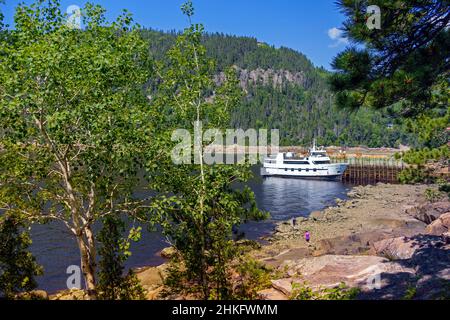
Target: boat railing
(388, 162)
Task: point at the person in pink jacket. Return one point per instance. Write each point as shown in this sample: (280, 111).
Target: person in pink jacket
(307, 236)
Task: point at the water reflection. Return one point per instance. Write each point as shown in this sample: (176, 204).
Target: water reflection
(287, 198)
(296, 197)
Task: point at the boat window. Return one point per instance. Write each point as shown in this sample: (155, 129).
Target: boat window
(322, 162)
(297, 162)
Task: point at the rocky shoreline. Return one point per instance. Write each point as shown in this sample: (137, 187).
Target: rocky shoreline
(386, 240)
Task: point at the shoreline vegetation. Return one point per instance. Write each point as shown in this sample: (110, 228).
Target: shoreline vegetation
(392, 231)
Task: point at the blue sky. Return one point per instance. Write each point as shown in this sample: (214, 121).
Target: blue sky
(304, 25)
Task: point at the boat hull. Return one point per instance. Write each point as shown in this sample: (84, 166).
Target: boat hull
(330, 172)
(329, 178)
(320, 178)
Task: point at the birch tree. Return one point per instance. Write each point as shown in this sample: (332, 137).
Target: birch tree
(74, 121)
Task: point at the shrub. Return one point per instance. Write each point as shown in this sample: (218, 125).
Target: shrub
(18, 267)
(433, 195)
(254, 276)
(301, 291)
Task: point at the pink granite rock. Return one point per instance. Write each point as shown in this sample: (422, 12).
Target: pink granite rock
(439, 226)
(395, 248)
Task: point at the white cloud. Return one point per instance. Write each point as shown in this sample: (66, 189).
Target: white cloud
(336, 35)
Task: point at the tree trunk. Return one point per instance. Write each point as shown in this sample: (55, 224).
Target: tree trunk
(83, 233)
(88, 264)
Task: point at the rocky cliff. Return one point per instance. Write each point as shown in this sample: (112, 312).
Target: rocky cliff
(267, 77)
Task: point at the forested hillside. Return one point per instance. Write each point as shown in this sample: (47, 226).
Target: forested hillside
(284, 90)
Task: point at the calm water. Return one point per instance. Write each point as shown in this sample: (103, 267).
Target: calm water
(55, 248)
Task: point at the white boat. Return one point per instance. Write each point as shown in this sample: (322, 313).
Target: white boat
(317, 165)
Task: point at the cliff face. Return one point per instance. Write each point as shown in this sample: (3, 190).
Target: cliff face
(275, 78)
(267, 77)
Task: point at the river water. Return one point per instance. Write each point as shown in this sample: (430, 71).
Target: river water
(56, 250)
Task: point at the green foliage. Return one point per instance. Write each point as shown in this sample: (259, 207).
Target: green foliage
(341, 292)
(433, 195)
(403, 67)
(250, 277)
(431, 129)
(301, 291)
(445, 187)
(111, 261)
(410, 293)
(188, 9)
(75, 124)
(400, 63)
(422, 156)
(419, 158)
(303, 114)
(18, 267)
(199, 204)
(414, 175)
(130, 288)
(432, 138)
(114, 251)
(254, 276)
(175, 280)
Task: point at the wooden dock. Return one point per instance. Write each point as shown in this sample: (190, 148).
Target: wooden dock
(371, 171)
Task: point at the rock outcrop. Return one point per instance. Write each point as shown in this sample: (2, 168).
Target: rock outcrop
(72, 294)
(368, 273)
(34, 295)
(397, 248)
(440, 226)
(152, 280)
(168, 252)
(266, 77)
(429, 212)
